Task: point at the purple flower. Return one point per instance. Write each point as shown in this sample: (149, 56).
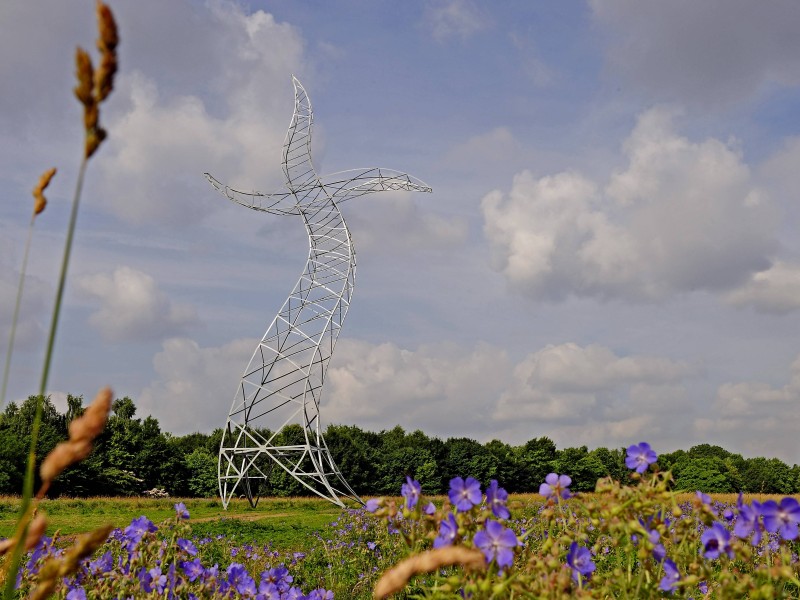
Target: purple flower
(278, 576)
(704, 498)
(181, 510)
(497, 543)
(448, 530)
(103, 564)
(240, 580)
(76, 593)
(211, 572)
(193, 569)
(579, 560)
(640, 456)
(465, 494)
(556, 485)
(268, 591)
(320, 594)
(138, 527)
(782, 517)
(496, 498)
(411, 490)
(372, 505)
(429, 509)
(659, 552)
(671, 577)
(187, 546)
(747, 522)
(716, 541)
(157, 581)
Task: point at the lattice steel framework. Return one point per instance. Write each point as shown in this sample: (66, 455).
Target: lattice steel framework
(282, 384)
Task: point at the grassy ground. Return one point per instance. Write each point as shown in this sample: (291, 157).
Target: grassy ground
(285, 523)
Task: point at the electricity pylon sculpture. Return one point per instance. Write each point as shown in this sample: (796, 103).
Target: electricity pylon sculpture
(282, 384)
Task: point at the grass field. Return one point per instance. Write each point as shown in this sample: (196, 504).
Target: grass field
(285, 523)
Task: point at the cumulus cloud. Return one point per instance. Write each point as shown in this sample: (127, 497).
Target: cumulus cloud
(447, 19)
(776, 290)
(437, 388)
(132, 307)
(394, 221)
(591, 392)
(756, 416)
(234, 126)
(681, 216)
(713, 52)
(195, 385)
(574, 394)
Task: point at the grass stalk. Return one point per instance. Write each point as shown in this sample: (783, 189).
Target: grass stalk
(27, 487)
(15, 318)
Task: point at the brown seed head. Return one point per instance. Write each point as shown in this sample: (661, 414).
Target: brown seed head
(45, 587)
(107, 44)
(38, 192)
(35, 532)
(85, 74)
(82, 432)
(91, 423)
(62, 456)
(107, 28)
(396, 578)
(104, 76)
(93, 140)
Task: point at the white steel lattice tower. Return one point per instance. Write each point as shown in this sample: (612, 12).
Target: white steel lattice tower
(282, 385)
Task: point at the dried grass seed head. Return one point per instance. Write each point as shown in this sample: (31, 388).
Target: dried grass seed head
(38, 192)
(85, 75)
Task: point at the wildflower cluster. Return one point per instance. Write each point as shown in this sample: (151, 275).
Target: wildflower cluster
(144, 559)
(626, 540)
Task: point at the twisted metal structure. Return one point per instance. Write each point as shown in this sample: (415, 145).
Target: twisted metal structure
(282, 385)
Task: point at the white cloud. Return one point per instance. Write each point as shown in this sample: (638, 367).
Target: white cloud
(453, 18)
(133, 307)
(195, 385)
(574, 394)
(395, 221)
(757, 417)
(682, 216)
(441, 388)
(163, 141)
(713, 52)
(776, 290)
(577, 388)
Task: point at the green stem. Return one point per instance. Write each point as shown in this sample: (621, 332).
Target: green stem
(27, 486)
(14, 320)
(62, 280)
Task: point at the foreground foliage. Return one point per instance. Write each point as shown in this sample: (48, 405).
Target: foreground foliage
(628, 541)
(632, 540)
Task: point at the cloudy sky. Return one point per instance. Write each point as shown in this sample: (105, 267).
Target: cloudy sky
(610, 253)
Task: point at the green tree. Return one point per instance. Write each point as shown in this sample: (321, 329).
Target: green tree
(537, 457)
(202, 471)
(708, 475)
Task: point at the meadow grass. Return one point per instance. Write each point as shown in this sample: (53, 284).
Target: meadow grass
(285, 523)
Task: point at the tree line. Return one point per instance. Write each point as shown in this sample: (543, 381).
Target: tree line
(133, 455)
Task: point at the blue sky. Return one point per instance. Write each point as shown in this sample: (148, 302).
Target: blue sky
(609, 254)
